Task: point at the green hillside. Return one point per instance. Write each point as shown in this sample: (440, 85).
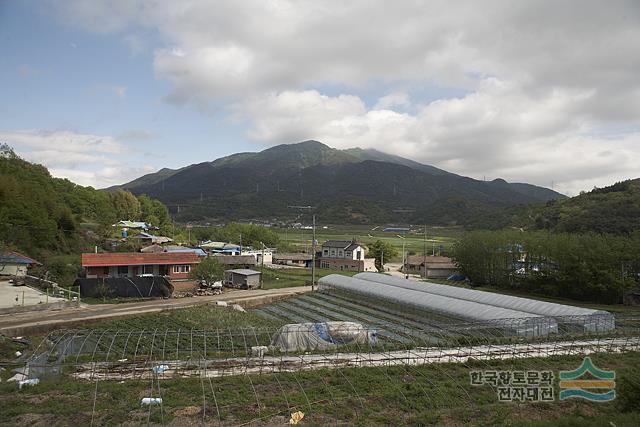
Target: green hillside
(613, 209)
(41, 215)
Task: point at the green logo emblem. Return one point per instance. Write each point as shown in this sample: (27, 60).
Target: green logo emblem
(602, 381)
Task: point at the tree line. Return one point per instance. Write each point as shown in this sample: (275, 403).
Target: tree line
(592, 267)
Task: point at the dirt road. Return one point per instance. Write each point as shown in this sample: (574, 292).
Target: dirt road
(42, 321)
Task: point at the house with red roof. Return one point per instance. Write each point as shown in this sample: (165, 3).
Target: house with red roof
(174, 265)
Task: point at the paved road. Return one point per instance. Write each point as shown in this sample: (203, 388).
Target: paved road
(15, 296)
(22, 323)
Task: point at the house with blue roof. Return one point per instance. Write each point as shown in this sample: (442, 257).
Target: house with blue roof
(15, 264)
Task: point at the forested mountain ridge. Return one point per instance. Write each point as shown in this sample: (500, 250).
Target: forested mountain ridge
(614, 209)
(350, 186)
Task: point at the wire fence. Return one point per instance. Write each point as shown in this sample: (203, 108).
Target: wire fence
(336, 370)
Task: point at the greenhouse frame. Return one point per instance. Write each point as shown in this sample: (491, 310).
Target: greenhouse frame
(588, 319)
(521, 323)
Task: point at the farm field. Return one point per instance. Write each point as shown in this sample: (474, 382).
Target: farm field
(415, 243)
(213, 379)
(393, 395)
(288, 277)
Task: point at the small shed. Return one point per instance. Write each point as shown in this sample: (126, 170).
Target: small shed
(15, 264)
(242, 278)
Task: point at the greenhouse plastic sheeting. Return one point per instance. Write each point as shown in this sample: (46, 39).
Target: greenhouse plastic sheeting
(321, 336)
(522, 323)
(590, 320)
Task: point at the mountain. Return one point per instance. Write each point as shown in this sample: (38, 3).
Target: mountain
(355, 186)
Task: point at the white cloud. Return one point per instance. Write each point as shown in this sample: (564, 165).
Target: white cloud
(495, 132)
(86, 159)
(395, 99)
(542, 79)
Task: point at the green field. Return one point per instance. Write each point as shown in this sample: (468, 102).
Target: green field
(288, 277)
(415, 243)
(395, 395)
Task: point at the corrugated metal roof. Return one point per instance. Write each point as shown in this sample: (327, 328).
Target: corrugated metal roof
(293, 257)
(138, 258)
(16, 258)
(235, 259)
(337, 243)
(243, 271)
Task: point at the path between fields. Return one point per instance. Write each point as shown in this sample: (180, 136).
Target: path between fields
(41, 321)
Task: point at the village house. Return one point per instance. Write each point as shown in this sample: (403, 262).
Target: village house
(344, 255)
(175, 265)
(293, 259)
(436, 267)
(242, 278)
(15, 264)
(151, 239)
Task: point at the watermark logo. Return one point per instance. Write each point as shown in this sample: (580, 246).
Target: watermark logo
(517, 386)
(572, 386)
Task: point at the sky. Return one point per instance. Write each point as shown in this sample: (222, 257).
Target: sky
(544, 92)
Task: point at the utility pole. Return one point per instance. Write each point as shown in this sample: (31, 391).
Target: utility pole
(424, 252)
(240, 243)
(404, 268)
(313, 244)
(313, 256)
(382, 260)
(261, 265)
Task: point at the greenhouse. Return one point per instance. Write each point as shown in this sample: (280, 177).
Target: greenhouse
(588, 319)
(519, 322)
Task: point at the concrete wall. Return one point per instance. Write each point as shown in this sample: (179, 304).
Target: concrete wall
(19, 270)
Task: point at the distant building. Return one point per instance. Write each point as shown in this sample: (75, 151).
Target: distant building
(293, 259)
(235, 260)
(242, 278)
(151, 239)
(176, 265)
(437, 267)
(221, 248)
(396, 230)
(134, 224)
(15, 264)
(258, 254)
(344, 255)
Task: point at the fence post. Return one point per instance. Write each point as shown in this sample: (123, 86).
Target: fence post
(23, 298)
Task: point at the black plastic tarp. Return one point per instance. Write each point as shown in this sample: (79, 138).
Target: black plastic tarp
(134, 287)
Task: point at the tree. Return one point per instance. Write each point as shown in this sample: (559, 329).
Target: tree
(209, 271)
(381, 249)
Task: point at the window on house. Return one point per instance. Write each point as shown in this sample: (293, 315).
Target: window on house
(358, 254)
(333, 252)
(181, 268)
(325, 252)
(123, 270)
